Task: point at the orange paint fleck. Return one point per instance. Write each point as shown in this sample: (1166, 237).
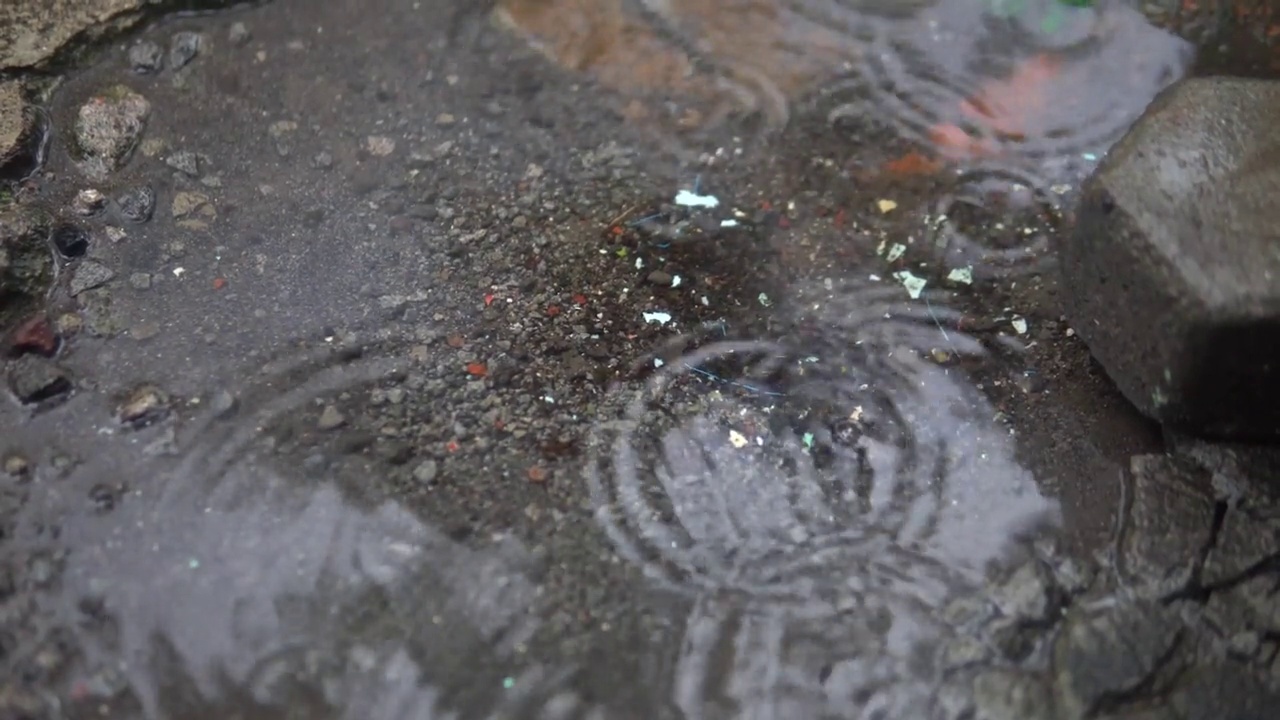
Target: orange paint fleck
(478, 369)
(538, 474)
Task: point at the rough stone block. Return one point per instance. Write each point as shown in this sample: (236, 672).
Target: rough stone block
(1172, 273)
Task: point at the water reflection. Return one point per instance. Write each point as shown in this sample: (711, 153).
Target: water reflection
(968, 79)
(972, 80)
(231, 581)
(822, 495)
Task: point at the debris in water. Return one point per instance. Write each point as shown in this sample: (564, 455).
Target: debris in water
(691, 199)
(764, 300)
(914, 285)
(895, 252)
(728, 223)
(886, 206)
(658, 317)
(1019, 324)
(738, 439)
(962, 275)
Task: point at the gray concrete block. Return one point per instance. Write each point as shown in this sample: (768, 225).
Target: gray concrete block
(1172, 273)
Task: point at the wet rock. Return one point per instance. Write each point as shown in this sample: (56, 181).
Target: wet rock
(1242, 544)
(89, 202)
(33, 335)
(1010, 695)
(89, 275)
(1028, 594)
(193, 210)
(146, 57)
(25, 266)
(659, 277)
(1111, 654)
(108, 127)
(137, 205)
(98, 313)
(15, 465)
(1219, 689)
(331, 418)
(34, 379)
(142, 406)
(32, 34)
(238, 34)
(1166, 526)
(426, 472)
(183, 48)
(19, 133)
(1170, 272)
(185, 162)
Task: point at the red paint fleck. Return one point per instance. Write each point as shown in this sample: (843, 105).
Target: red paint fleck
(579, 299)
(477, 368)
(538, 474)
(219, 283)
(452, 446)
(488, 299)
(553, 310)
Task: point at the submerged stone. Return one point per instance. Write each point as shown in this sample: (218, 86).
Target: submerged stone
(1172, 275)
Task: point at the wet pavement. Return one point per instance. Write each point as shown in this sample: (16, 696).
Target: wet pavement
(615, 360)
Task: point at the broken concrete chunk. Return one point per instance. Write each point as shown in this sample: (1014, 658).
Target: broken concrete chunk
(1165, 527)
(1172, 274)
(1101, 656)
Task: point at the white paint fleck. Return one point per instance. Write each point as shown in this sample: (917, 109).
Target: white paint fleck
(691, 199)
(659, 317)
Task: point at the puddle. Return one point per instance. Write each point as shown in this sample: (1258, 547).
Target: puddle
(824, 495)
(384, 378)
(967, 79)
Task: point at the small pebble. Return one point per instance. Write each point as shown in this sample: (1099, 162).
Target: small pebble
(16, 465)
(426, 472)
(146, 57)
(185, 162)
(183, 48)
(88, 202)
(137, 205)
(331, 418)
(238, 34)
